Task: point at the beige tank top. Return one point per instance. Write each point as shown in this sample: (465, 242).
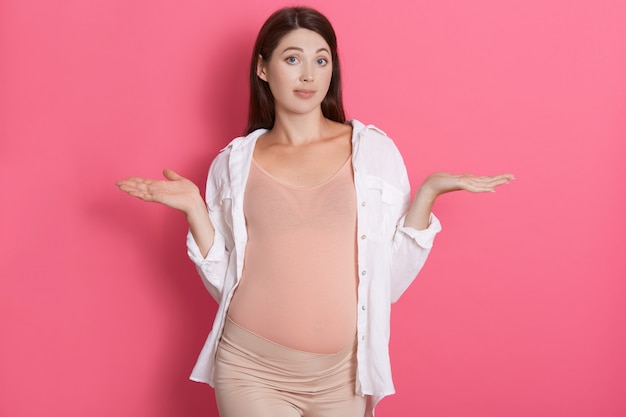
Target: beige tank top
(299, 283)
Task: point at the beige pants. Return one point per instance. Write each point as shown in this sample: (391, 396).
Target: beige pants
(255, 377)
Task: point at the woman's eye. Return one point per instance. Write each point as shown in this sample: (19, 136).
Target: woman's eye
(322, 61)
(292, 59)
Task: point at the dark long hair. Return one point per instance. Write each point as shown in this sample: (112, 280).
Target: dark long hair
(261, 109)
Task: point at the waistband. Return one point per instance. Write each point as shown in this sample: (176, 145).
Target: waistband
(254, 345)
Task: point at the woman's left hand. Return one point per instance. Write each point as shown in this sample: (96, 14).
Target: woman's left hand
(443, 182)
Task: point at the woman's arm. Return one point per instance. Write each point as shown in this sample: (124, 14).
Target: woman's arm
(418, 216)
(179, 193)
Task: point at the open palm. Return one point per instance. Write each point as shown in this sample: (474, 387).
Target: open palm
(175, 191)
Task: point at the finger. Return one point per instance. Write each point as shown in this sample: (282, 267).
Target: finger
(487, 178)
(485, 188)
(481, 189)
(507, 177)
(139, 194)
(171, 175)
(139, 185)
(145, 196)
(495, 180)
(134, 182)
(127, 185)
(125, 182)
(146, 189)
(480, 185)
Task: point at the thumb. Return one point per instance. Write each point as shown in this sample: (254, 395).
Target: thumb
(171, 175)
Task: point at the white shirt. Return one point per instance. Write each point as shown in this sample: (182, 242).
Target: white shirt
(389, 254)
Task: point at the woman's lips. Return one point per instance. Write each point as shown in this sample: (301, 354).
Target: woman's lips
(304, 93)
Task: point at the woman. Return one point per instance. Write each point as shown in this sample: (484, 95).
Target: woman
(309, 237)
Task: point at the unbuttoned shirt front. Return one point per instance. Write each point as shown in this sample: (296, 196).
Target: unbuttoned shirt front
(389, 255)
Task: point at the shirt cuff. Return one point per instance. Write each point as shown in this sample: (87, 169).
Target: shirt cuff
(426, 237)
(216, 252)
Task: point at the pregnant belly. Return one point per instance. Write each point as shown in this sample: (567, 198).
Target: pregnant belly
(316, 316)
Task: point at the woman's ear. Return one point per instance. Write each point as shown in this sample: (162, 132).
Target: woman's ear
(260, 69)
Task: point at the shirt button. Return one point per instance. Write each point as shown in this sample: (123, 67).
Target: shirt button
(363, 308)
(363, 272)
(363, 337)
(363, 237)
(363, 204)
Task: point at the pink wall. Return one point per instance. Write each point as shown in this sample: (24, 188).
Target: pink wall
(521, 310)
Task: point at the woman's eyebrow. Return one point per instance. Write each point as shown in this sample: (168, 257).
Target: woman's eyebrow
(295, 48)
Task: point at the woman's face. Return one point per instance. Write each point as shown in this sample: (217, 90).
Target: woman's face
(299, 72)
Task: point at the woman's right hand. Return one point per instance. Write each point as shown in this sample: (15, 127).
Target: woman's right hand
(179, 193)
(175, 191)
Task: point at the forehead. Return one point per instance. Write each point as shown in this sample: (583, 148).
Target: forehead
(305, 39)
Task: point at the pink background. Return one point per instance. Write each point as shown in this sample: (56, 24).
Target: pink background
(521, 309)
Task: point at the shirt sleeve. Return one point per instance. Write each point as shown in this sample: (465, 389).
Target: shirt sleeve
(424, 238)
(411, 248)
(214, 266)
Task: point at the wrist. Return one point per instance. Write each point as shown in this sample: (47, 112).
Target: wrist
(198, 206)
(426, 194)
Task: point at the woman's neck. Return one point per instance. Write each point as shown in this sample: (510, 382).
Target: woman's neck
(300, 129)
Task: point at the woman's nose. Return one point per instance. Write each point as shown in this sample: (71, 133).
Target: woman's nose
(307, 75)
